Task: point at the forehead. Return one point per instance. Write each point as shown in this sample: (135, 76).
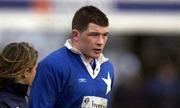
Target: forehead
(96, 28)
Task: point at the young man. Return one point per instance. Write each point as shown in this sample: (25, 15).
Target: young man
(66, 79)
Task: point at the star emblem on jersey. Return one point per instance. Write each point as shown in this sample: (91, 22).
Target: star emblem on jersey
(108, 83)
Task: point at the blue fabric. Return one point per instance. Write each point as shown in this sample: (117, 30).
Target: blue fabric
(62, 81)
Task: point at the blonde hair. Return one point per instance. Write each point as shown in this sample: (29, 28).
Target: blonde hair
(15, 60)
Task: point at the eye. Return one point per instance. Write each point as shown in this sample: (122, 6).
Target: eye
(105, 34)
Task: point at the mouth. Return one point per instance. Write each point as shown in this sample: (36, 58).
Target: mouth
(98, 50)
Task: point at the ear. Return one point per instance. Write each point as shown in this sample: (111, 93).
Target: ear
(75, 34)
(26, 74)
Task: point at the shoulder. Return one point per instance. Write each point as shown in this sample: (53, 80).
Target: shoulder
(3, 101)
(56, 63)
(108, 67)
(8, 100)
(12, 104)
(108, 64)
(4, 104)
(59, 56)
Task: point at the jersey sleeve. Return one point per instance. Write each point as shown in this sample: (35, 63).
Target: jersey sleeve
(47, 85)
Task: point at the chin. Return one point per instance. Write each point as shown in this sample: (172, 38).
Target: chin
(96, 56)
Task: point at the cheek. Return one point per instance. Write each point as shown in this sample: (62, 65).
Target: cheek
(84, 43)
(105, 42)
(33, 72)
(87, 45)
(105, 39)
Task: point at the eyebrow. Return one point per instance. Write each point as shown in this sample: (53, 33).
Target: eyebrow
(97, 33)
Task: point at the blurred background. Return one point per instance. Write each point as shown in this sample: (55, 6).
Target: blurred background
(144, 42)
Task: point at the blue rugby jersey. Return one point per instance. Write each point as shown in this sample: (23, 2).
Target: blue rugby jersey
(63, 81)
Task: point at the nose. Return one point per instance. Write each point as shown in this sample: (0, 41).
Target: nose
(101, 40)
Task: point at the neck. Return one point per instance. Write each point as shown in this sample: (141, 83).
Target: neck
(75, 45)
(87, 58)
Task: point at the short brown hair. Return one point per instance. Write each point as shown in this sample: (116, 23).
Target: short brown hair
(86, 15)
(15, 59)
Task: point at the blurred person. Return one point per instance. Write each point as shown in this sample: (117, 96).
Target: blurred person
(65, 78)
(163, 88)
(129, 89)
(17, 70)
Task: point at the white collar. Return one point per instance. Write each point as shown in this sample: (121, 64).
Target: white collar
(101, 59)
